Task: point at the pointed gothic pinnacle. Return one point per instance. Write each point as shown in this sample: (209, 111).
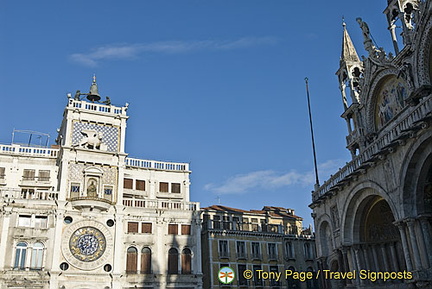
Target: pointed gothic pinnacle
(349, 52)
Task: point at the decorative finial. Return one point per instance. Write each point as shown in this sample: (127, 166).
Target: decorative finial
(94, 78)
(343, 21)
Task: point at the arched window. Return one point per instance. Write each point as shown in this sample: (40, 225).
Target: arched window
(146, 260)
(172, 261)
(20, 255)
(131, 260)
(37, 256)
(186, 260)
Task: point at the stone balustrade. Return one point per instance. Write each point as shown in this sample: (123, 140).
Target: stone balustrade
(389, 136)
(161, 204)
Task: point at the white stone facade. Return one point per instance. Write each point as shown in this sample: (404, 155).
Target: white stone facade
(375, 213)
(83, 215)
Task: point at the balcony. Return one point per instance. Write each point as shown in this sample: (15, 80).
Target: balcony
(160, 204)
(87, 203)
(18, 194)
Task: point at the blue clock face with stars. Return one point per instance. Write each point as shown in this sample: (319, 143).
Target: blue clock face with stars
(87, 244)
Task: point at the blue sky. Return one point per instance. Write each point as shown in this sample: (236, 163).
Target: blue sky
(219, 84)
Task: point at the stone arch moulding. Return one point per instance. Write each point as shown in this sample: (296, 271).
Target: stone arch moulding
(423, 69)
(377, 86)
(413, 169)
(355, 200)
(325, 221)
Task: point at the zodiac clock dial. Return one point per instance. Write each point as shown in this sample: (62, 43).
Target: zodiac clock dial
(87, 244)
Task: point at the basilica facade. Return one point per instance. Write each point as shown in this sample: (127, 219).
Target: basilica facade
(82, 214)
(373, 216)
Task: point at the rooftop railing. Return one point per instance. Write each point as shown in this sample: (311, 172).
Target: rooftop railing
(400, 129)
(53, 153)
(98, 107)
(29, 151)
(168, 166)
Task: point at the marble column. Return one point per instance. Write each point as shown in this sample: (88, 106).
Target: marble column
(414, 245)
(384, 257)
(394, 257)
(375, 258)
(401, 227)
(426, 229)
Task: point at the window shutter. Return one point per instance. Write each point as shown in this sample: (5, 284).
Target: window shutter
(146, 227)
(146, 261)
(175, 188)
(128, 184)
(173, 229)
(185, 229)
(163, 187)
(140, 185)
(131, 260)
(132, 227)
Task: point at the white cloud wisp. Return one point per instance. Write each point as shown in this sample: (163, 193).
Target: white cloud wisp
(133, 51)
(269, 179)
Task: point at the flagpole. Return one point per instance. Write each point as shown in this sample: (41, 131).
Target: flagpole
(317, 184)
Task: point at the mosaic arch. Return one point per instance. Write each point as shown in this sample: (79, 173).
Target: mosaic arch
(390, 99)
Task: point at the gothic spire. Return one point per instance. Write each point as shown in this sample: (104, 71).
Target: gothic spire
(349, 52)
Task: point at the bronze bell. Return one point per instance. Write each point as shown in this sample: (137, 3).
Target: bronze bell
(93, 95)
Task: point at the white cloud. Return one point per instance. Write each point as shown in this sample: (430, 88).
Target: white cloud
(132, 51)
(269, 179)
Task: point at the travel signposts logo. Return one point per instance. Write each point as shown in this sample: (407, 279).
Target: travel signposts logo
(226, 275)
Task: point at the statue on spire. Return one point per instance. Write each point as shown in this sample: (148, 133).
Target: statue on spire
(367, 40)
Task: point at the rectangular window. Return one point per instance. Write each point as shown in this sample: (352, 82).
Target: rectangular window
(44, 176)
(108, 190)
(258, 281)
(146, 228)
(185, 229)
(128, 184)
(140, 185)
(272, 251)
(216, 222)
(245, 224)
(28, 175)
(172, 229)
(289, 248)
(163, 187)
(223, 249)
(242, 280)
(255, 225)
(273, 282)
(175, 188)
(132, 227)
(74, 190)
(241, 250)
(226, 222)
(41, 222)
(256, 252)
(2, 173)
(24, 220)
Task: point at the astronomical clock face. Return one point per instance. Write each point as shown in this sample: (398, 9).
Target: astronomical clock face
(87, 244)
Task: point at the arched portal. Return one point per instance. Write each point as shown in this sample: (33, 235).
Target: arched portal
(377, 245)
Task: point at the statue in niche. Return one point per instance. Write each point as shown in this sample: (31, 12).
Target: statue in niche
(92, 189)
